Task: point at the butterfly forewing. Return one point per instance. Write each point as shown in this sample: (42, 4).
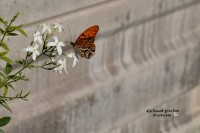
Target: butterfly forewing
(84, 44)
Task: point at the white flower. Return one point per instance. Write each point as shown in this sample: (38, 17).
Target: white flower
(45, 27)
(59, 27)
(62, 65)
(37, 37)
(56, 43)
(72, 55)
(34, 50)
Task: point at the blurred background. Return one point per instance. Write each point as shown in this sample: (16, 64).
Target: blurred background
(147, 60)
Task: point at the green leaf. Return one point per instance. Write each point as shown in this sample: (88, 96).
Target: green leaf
(5, 46)
(19, 26)
(3, 53)
(1, 82)
(5, 105)
(31, 66)
(1, 131)
(4, 121)
(2, 78)
(10, 85)
(21, 31)
(14, 77)
(5, 91)
(6, 59)
(10, 29)
(8, 68)
(14, 18)
(25, 79)
(11, 34)
(20, 94)
(3, 21)
(6, 22)
(19, 62)
(27, 94)
(1, 30)
(2, 73)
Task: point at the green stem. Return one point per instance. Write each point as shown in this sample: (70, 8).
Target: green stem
(26, 65)
(11, 98)
(26, 58)
(4, 34)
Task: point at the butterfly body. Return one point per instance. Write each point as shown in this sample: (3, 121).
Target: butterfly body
(84, 45)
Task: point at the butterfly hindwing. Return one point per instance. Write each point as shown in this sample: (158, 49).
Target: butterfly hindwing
(86, 52)
(84, 44)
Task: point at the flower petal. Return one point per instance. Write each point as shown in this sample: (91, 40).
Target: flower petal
(49, 30)
(55, 39)
(61, 44)
(37, 33)
(70, 55)
(43, 30)
(40, 39)
(35, 39)
(34, 56)
(75, 61)
(29, 49)
(59, 49)
(37, 52)
(36, 46)
(50, 44)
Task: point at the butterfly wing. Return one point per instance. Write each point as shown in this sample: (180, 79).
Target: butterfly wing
(84, 44)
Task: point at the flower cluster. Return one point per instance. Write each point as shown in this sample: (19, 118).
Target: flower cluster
(53, 49)
(45, 43)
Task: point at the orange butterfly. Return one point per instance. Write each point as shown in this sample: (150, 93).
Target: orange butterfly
(84, 44)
